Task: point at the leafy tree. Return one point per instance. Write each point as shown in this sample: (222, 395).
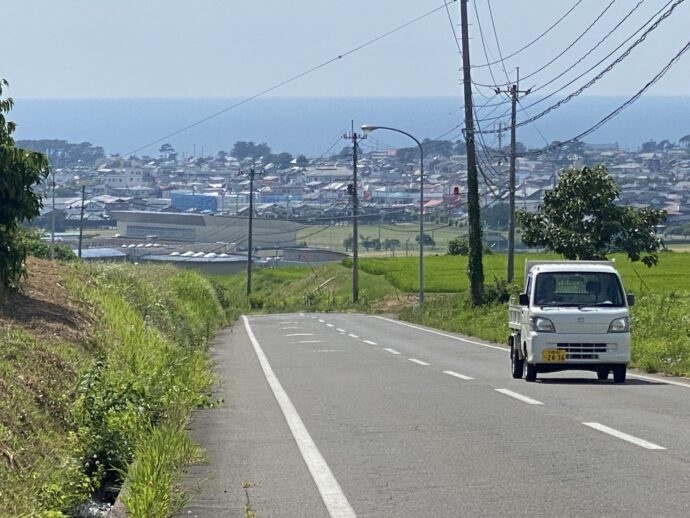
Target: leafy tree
(63, 153)
(301, 161)
(458, 246)
(347, 243)
(391, 244)
(685, 141)
(242, 150)
(369, 243)
(496, 216)
(20, 171)
(580, 220)
(428, 240)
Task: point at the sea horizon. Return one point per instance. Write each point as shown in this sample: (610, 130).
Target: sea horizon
(314, 126)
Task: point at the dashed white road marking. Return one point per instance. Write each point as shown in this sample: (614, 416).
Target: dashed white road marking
(369, 342)
(392, 351)
(456, 375)
(624, 436)
(286, 323)
(289, 327)
(522, 398)
(418, 362)
(504, 349)
(330, 325)
(331, 493)
(352, 336)
(340, 330)
(300, 334)
(310, 341)
(322, 320)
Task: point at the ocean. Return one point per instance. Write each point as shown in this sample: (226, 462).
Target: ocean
(314, 126)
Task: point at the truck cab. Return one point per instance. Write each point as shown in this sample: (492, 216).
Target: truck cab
(573, 315)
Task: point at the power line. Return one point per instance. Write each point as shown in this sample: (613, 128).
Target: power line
(534, 40)
(601, 74)
(570, 46)
(622, 107)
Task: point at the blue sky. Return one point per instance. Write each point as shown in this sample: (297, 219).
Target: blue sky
(237, 48)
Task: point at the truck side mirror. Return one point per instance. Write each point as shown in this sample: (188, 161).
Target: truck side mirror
(524, 299)
(631, 299)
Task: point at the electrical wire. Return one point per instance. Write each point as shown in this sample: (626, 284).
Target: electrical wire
(620, 108)
(601, 74)
(484, 65)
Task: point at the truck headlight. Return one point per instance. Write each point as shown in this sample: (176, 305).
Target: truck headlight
(619, 325)
(542, 325)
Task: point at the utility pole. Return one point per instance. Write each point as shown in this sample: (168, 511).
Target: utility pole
(475, 269)
(514, 92)
(252, 172)
(352, 190)
(81, 218)
(52, 219)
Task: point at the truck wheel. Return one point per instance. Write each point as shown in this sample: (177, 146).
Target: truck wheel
(619, 372)
(603, 374)
(516, 364)
(530, 372)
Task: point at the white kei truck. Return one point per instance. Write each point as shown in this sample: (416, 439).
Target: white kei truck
(573, 315)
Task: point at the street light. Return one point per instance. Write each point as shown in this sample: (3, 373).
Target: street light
(368, 128)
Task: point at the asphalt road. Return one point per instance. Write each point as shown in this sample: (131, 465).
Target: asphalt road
(354, 415)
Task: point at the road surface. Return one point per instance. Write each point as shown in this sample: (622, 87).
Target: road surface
(347, 415)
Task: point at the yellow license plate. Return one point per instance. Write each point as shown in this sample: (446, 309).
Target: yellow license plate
(553, 355)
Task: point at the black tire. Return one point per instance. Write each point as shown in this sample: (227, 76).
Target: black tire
(516, 364)
(603, 374)
(619, 372)
(530, 372)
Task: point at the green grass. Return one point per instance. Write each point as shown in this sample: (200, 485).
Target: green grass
(115, 405)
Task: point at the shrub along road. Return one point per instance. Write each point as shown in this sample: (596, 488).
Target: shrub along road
(346, 414)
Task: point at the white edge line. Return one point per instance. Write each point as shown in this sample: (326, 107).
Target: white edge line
(520, 397)
(456, 375)
(331, 493)
(392, 351)
(418, 362)
(504, 349)
(369, 342)
(624, 436)
(659, 380)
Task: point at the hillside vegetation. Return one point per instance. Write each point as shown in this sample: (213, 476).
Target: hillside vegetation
(660, 319)
(100, 368)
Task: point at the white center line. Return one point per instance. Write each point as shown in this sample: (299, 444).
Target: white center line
(352, 336)
(392, 351)
(456, 375)
(300, 334)
(418, 362)
(330, 325)
(331, 493)
(369, 342)
(522, 398)
(310, 341)
(340, 330)
(624, 436)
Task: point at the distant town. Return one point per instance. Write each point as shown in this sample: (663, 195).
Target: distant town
(198, 205)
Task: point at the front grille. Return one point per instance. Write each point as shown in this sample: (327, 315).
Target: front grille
(579, 351)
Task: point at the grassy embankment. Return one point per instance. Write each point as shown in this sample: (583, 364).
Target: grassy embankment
(660, 319)
(100, 368)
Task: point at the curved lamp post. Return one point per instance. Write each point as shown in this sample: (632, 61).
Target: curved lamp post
(368, 128)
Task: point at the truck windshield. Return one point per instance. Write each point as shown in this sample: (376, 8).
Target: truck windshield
(578, 289)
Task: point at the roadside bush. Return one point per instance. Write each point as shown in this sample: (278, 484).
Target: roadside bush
(458, 246)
